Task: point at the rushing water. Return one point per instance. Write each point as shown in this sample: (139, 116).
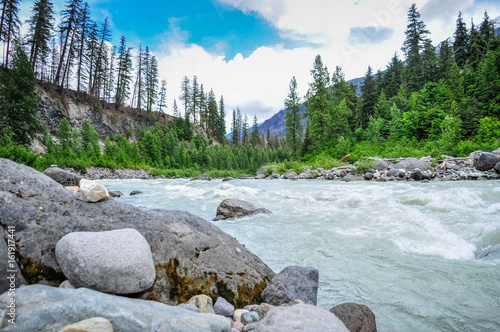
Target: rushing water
(412, 252)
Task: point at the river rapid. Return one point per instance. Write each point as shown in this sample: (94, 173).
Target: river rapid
(421, 256)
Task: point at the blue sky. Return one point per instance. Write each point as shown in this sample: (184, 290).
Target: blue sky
(248, 50)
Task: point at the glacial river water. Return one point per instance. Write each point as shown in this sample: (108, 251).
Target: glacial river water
(412, 252)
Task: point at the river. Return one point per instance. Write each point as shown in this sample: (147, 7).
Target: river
(412, 252)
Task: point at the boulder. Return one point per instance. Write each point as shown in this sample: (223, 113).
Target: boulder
(202, 302)
(202, 177)
(245, 177)
(485, 161)
(135, 192)
(189, 306)
(223, 308)
(7, 282)
(356, 317)
(260, 177)
(237, 314)
(96, 324)
(66, 284)
(228, 179)
(235, 208)
(191, 255)
(249, 317)
(63, 177)
(497, 152)
(118, 262)
(353, 178)
(45, 309)
(497, 168)
(300, 317)
(263, 309)
(115, 193)
(293, 282)
(410, 164)
(416, 174)
(93, 192)
(237, 325)
(250, 327)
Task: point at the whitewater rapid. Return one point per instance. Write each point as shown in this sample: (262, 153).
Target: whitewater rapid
(423, 257)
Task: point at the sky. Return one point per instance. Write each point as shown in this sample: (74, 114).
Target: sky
(248, 50)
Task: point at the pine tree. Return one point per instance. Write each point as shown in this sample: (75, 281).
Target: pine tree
(487, 29)
(162, 103)
(429, 62)
(293, 119)
(221, 122)
(19, 100)
(460, 44)
(393, 77)
(416, 35)
(369, 95)
(244, 129)
(40, 27)
(213, 113)
(9, 25)
(445, 59)
(123, 77)
(235, 128)
(67, 28)
(195, 97)
(84, 24)
(255, 136)
(477, 48)
(151, 84)
(186, 95)
(99, 76)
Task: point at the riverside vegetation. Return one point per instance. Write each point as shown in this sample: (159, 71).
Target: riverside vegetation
(439, 101)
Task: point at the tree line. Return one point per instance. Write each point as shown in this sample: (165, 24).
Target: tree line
(441, 100)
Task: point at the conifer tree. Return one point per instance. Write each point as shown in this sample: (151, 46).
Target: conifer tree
(460, 44)
(255, 136)
(84, 24)
(186, 95)
(477, 48)
(244, 129)
(369, 94)
(123, 76)
(151, 83)
(195, 97)
(212, 113)
(40, 27)
(487, 29)
(101, 63)
(393, 77)
(429, 62)
(445, 59)
(221, 122)
(293, 119)
(9, 25)
(162, 103)
(69, 20)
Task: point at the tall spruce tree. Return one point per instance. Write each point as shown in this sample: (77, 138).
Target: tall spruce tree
(369, 95)
(69, 20)
(9, 25)
(84, 24)
(39, 33)
(124, 74)
(416, 35)
(293, 119)
(255, 136)
(460, 43)
(393, 77)
(162, 102)
(221, 122)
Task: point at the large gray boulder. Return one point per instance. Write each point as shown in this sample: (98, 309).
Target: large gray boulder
(356, 317)
(118, 262)
(43, 308)
(300, 317)
(486, 161)
(410, 164)
(235, 208)
(191, 255)
(63, 177)
(293, 282)
(9, 280)
(497, 168)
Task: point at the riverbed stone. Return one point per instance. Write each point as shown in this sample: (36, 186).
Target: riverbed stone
(115, 193)
(223, 308)
(118, 262)
(410, 164)
(237, 325)
(202, 177)
(189, 306)
(228, 179)
(485, 161)
(301, 317)
(96, 324)
(416, 174)
(186, 249)
(66, 284)
(237, 314)
(46, 309)
(203, 302)
(250, 327)
(63, 177)
(93, 192)
(356, 317)
(293, 282)
(249, 317)
(235, 208)
(135, 192)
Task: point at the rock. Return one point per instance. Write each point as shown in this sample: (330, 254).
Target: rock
(485, 161)
(251, 307)
(497, 152)
(410, 164)
(45, 309)
(274, 176)
(356, 317)
(245, 177)
(189, 306)
(228, 179)
(238, 326)
(66, 178)
(294, 302)
(115, 193)
(416, 174)
(237, 314)
(250, 327)
(264, 170)
(293, 282)
(260, 177)
(118, 262)
(249, 317)
(135, 192)
(301, 317)
(96, 324)
(235, 208)
(93, 192)
(185, 248)
(263, 309)
(223, 308)
(66, 284)
(202, 177)
(202, 302)
(396, 172)
(368, 176)
(74, 190)
(8, 282)
(353, 178)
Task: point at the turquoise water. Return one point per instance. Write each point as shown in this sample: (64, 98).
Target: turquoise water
(412, 252)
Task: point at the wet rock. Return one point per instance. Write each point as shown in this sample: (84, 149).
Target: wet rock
(118, 262)
(45, 309)
(185, 248)
(416, 174)
(65, 178)
(293, 282)
(93, 192)
(235, 208)
(223, 308)
(135, 192)
(202, 177)
(301, 317)
(96, 324)
(356, 317)
(228, 179)
(497, 168)
(115, 193)
(202, 302)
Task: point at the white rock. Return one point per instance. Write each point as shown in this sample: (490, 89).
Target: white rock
(92, 191)
(118, 261)
(96, 324)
